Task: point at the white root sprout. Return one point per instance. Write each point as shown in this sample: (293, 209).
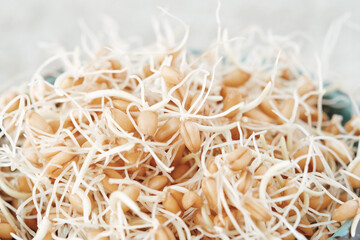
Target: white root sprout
(74, 162)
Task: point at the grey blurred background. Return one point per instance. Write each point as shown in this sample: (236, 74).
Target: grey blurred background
(26, 25)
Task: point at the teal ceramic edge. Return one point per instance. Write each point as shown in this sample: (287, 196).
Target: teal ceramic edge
(50, 79)
(341, 105)
(343, 231)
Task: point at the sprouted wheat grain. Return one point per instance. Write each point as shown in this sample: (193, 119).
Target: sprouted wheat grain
(161, 143)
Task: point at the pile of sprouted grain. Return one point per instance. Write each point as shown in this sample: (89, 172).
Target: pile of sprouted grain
(162, 143)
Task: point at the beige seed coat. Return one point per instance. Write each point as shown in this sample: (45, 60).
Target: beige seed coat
(346, 211)
(191, 136)
(167, 130)
(122, 119)
(236, 78)
(239, 159)
(148, 122)
(164, 233)
(191, 199)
